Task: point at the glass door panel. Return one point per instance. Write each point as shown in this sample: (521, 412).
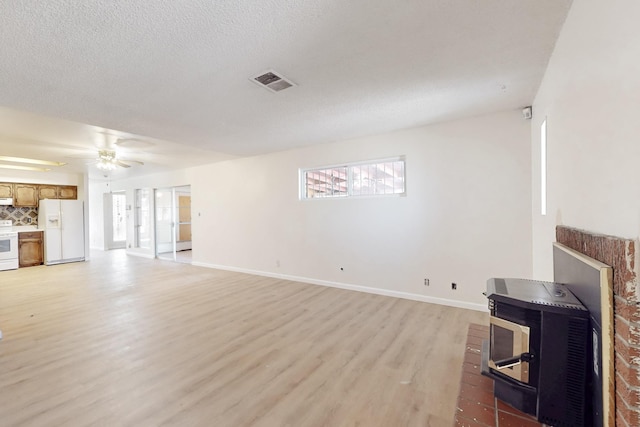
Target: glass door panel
(143, 219)
(165, 224)
(183, 213)
(508, 347)
(119, 218)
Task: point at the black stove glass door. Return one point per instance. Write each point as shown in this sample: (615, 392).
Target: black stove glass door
(508, 344)
(501, 343)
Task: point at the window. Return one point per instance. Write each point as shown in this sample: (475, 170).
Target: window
(379, 178)
(332, 182)
(543, 168)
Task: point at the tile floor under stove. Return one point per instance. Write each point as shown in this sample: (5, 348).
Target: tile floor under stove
(477, 406)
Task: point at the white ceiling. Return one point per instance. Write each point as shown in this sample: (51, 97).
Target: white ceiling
(24, 134)
(179, 71)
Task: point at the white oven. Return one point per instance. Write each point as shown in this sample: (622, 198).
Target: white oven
(8, 246)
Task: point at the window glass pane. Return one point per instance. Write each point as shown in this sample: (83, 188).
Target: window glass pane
(358, 180)
(371, 179)
(326, 182)
(398, 177)
(378, 178)
(143, 217)
(119, 217)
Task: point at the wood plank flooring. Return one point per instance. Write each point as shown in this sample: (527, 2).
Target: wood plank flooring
(126, 341)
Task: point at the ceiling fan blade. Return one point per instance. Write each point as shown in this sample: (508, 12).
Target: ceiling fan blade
(132, 161)
(124, 165)
(80, 157)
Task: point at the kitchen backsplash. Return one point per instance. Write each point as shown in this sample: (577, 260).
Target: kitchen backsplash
(19, 216)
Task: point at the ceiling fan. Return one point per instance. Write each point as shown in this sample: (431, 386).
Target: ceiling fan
(107, 160)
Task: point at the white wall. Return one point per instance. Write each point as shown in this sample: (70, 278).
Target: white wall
(466, 216)
(590, 95)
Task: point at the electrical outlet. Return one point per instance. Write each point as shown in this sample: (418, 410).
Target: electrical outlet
(426, 282)
(454, 286)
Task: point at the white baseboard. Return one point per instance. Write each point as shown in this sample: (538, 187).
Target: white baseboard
(347, 286)
(140, 254)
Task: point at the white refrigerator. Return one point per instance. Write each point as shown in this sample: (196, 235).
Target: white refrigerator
(63, 225)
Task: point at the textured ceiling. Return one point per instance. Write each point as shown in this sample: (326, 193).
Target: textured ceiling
(179, 70)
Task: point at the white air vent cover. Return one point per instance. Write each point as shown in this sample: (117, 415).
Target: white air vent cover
(271, 80)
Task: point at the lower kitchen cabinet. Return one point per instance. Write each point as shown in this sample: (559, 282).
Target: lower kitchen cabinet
(30, 248)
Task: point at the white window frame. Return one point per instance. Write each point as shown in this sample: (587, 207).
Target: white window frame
(543, 167)
(302, 193)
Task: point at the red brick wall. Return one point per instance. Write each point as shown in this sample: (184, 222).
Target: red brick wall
(621, 255)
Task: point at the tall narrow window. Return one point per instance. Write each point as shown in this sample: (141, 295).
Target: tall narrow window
(543, 168)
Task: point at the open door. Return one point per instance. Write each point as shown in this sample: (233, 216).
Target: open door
(183, 213)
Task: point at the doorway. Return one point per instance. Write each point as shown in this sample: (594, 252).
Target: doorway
(173, 223)
(115, 220)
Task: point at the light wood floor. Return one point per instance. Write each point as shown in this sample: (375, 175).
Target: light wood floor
(125, 341)
(181, 256)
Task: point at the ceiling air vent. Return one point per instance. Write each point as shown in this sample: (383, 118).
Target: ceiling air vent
(272, 81)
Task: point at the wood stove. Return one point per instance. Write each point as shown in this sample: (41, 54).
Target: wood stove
(538, 350)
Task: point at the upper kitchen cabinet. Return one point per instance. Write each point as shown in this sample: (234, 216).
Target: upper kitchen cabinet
(25, 195)
(6, 190)
(69, 192)
(47, 191)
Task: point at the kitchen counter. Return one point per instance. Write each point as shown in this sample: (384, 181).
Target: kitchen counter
(20, 228)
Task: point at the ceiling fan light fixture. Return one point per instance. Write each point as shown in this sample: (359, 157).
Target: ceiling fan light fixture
(106, 160)
(105, 165)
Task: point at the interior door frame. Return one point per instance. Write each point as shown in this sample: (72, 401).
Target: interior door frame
(180, 192)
